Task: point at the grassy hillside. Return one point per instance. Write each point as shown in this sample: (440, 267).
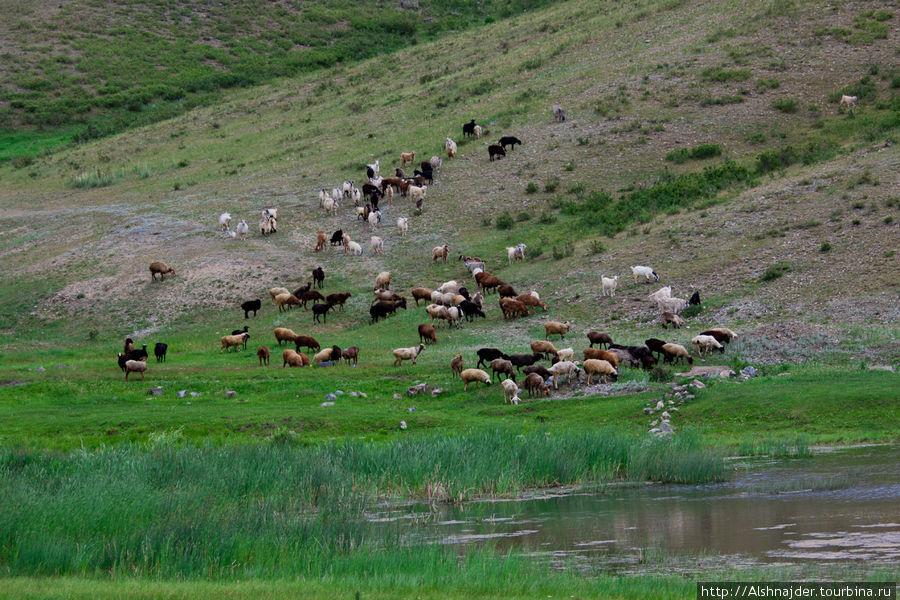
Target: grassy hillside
(80, 70)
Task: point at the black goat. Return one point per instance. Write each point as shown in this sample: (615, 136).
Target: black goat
(655, 345)
(486, 355)
(240, 331)
(509, 140)
(337, 238)
(695, 299)
(160, 351)
(249, 305)
(319, 276)
(469, 128)
(524, 360)
(321, 310)
(496, 150)
(471, 310)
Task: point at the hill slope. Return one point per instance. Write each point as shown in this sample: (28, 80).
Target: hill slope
(638, 82)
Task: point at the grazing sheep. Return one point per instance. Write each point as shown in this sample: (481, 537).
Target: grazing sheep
(495, 150)
(655, 345)
(672, 304)
(456, 365)
(565, 354)
(262, 353)
(625, 357)
(545, 348)
(486, 355)
(353, 248)
(609, 285)
(675, 320)
(601, 368)
(233, 341)
(407, 157)
(158, 266)
(535, 385)
(436, 311)
(288, 300)
(471, 310)
(283, 334)
(333, 353)
(377, 244)
(421, 293)
(524, 360)
(337, 238)
(512, 308)
(427, 333)
(249, 305)
(243, 229)
(478, 131)
(225, 221)
(703, 344)
(321, 310)
(329, 206)
(440, 253)
(401, 354)
(159, 351)
(338, 299)
(380, 310)
(417, 193)
(516, 252)
(450, 147)
(509, 140)
(598, 354)
(474, 376)
(500, 366)
(661, 294)
(599, 338)
(848, 101)
(294, 359)
(559, 115)
(135, 366)
(565, 367)
(673, 352)
(510, 390)
(531, 301)
(723, 335)
(554, 327)
(641, 271)
(383, 281)
(487, 281)
(351, 353)
(278, 290)
(402, 225)
(539, 369)
(506, 291)
(640, 354)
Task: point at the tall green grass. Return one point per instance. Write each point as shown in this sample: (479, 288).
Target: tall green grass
(284, 509)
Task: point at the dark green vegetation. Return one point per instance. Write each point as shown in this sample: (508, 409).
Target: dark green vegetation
(89, 69)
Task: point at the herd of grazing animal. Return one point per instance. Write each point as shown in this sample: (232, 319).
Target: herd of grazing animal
(449, 303)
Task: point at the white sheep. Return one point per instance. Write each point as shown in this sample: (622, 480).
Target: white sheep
(336, 195)
(275, 291)
(436, 297)
(377, 244)
(323, 196)
(353, 248)
(417, 193)
(272, 213)
(705, 343)
(671, 304)
(329, 205)
(383, 281)
(609, 285)
(848, 101)
(440, 253)
(225, 221)
(449, 287)
(347, 189)
(516, 252)
(243, 229)
(389, 194)
(436, 162)
(402, 225)
(641, 271)
(510, 390)
(564, 367)
(135, 366)
(401, 354)
(356, 196)
(565, 354)
(478, 131)
(374, 218)
(476, 271)
(602, 368)
(450, 147)
(265, 226)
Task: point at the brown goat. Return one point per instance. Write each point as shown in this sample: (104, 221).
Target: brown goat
(158, 266)
(263, 354)
(426, 333)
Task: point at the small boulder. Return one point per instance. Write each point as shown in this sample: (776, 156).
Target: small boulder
(436, 391)
(648, 411)
(403, 425)
(411, 409)
(327, 403)
(196, 394)
(697, 384)
(154, 391)
(660, 405)
(230, 394)
(330, 397)
(748, 371)
(182, 393)
(40, 369)
(398, 396)
(417, 389)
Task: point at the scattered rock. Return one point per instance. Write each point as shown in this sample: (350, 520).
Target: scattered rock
(182, 393)
(327, 403)
(697, 384)
(712, 371)
(338, 392)
(398, 396)
(654, 423)
(230, 394)
(330, 397)
(353, 394)
(155, 391)
(648, 411)
(435, 392)
(60, 366)
(411, 409)
(196, 394)
(403, 425)
(362, 394)
(40, 369)
(872, 368)
(417, 389)
(748, 371)
(660, 405)
(689, 396)
(666, 415)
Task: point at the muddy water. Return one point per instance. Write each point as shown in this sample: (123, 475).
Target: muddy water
(839, 507)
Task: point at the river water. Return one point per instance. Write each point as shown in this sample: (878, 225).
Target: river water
(836, 508)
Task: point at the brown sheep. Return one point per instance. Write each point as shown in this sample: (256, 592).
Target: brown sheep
(304, 341)
(553, 327)
(321, 240)
(599, 338)
(487, 281)
(500, 366)
(383, 281)
(294, 359)
(506, 291)
(421, 293)
(534, 384)
(456, 365)
(673, 352)
(602, 368)
(283, 334)
(135, 366)
(512, 308)
(670, 317)
(426, 333)
(350, 354)
(234, 341)
(473, 376)
(440, 253)
(598, 354)
(338, 299)
(288, 300)
(263, 354)
(407, 157)
(544, 347)
(162, 268)
(531, 301)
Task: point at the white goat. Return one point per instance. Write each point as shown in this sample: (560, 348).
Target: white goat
(640, 271)
(515, 252)
(243, 229)
(403, 225)
(377, 244)
(225, 221)
(609, 285)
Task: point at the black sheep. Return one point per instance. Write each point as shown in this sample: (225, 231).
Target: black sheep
(133, 355)
(426, 176)
(496, 150)
(302, 289)
(471, 310)
(160, 351)
(249, 305)
(655, 345)
(486, 355)
(319, 276)
(240, 331)
(464, 292)
(524, 360)
(599, 338)
(337, 238)
(539, 369)
(509, 140)
(695, 299)
(380, 310)
(469, 128)
(321, 310)
(370, 172)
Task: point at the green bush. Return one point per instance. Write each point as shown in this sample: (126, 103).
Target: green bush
(523, 216)
(691, 311)
(774, 160)
(825, 247)
(775, 271)
(531, 187)
(504, 221)
(564, 251)
(787, 105)
(597, 247)
(697, 152)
